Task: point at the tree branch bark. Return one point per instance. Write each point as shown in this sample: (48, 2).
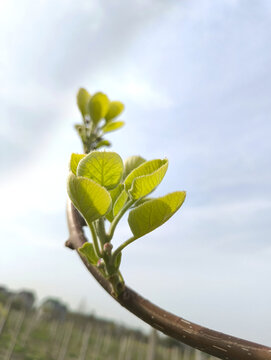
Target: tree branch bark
(212, 342)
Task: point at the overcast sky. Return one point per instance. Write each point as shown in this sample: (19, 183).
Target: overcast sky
(195, 77)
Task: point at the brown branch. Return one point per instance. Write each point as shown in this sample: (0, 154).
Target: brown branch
(212, 342)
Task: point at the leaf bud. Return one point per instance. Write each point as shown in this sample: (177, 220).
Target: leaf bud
(100, 264)
(108, 248)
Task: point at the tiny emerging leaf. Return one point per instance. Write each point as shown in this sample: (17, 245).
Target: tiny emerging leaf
(90, 199)
(112, 126)
(82, 101)
(88, 251)
(103, 143)
(152, 214)
(75, 158)
(105, 168)
(114, 110)
(98, 107)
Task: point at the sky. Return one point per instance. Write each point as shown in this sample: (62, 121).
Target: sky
(195, 78)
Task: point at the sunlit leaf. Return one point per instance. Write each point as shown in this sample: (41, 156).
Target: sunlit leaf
(88, 251)
(75, 158)
(98, 106)
(112, 126)
(120, 202)
(145, 178)
(114, 193)
(83, 98)
(89, 198)
(152, 214)
(141, 201)
(103, 143)
(105, 168)
(131, 163)
(114, 110)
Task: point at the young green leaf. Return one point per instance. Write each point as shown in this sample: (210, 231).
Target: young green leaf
(103, 143)
(114, 110)
(88, 251)
(131, 163)
(120, 202)
(152, 214)
(75, 158)
(141, 201)
(114, 193)
(112, 126)
(145, 178)
(90, 199)
(98, 107)
(105, 168)
(82, 101)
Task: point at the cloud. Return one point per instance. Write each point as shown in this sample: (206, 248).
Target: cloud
(195, 78)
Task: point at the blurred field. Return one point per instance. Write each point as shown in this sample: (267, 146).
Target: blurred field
(25, 335)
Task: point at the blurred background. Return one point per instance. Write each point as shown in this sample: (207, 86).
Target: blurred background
(195, 78)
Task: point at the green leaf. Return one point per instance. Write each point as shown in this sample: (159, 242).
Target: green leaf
(88, 251)
(120, 202)
(114, 110)
(114, 195)
(98, 107)
(117, 261)
(105, 168)
(83, 98)
(131, 163)
(152, 214)
(103, 143)
(145, 178)
(75, 158)
(90, 199)
(141, 201)
(112, 126)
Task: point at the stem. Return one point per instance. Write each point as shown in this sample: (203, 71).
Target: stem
(122, 246)
(212, 342)
(95, 240)
(117, 218)
(101, 231)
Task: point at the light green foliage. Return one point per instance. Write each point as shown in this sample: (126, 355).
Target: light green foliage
(114, 110)
(114, 195)
(99, 115)
(90, 198)
(75, 158)
(102, 188)
(142, 201)
(98, 106)
(145, 178)
(88, 251)
(131, 163)
(105, 168)
(152, 214)
(120, 202)
(112, 126)
(103, 143)
(83, 98)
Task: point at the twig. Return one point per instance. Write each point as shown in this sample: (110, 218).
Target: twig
(212, 342)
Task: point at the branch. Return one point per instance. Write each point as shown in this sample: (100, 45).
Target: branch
(212, 342)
